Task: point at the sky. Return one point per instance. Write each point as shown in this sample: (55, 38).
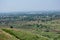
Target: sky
(29, 5)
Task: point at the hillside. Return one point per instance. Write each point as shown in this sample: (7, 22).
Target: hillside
(18, 34)
(6, 36)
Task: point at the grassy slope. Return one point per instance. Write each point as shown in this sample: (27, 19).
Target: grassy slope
(6, 36)
(25, 35)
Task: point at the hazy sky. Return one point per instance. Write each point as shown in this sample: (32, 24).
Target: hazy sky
(29, 5)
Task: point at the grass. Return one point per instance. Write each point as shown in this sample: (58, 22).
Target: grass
(50, 35)
(24, 35)
(6, 36)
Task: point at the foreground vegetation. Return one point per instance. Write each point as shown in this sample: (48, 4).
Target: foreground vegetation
(24, 35)
(6, 36)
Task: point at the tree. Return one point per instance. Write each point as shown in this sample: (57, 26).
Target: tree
(11, 26)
